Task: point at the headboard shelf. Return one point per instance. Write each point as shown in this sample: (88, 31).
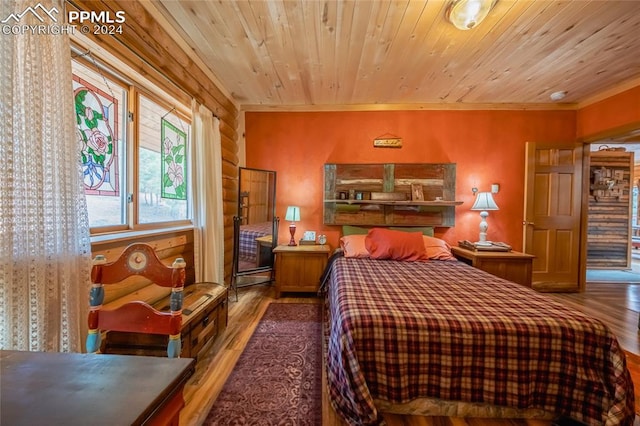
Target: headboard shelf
(397, 203)
(390, 194)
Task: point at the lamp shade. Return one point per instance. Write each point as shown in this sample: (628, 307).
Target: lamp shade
(293, 214)
(466, 14)
(484, 201)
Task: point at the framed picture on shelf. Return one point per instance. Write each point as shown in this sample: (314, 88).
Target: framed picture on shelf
(416, 192)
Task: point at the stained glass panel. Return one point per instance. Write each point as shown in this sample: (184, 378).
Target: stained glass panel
(159, 202)
(174, 162)
(97, 130)
(100, 103)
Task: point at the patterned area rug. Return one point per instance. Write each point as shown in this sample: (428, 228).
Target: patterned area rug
(278, 378)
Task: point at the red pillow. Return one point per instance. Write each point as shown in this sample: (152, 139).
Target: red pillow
(397, 245)
(437, 249)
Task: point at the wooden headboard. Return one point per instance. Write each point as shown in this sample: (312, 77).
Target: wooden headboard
(390, 194)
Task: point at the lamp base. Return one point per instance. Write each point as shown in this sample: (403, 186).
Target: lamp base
(292, 231)
(483, 229)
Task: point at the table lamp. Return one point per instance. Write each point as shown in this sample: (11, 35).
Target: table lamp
(293, 216)
(484, 201)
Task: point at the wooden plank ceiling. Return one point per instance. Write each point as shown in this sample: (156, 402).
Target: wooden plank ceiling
(285, 54)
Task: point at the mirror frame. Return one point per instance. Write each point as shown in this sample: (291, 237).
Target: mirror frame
(245, 275)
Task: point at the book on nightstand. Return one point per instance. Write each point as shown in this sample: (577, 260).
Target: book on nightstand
(489, 246)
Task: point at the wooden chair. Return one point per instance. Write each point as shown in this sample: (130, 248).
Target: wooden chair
(136, 316)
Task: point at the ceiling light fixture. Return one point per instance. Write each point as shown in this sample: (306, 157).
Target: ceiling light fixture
(556, 96)
(467, 14)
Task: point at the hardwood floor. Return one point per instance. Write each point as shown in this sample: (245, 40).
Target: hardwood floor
(617, 305)
(614, 304)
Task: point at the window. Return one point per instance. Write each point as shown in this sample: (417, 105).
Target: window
(162, 163)
(135, 152)
(101, 105)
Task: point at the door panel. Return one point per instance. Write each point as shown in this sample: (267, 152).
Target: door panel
(553, 215)
(539, 241)
(565, 244)
(564, 201)
(542, 190)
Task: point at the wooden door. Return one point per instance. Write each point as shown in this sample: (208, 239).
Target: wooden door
(553, 215)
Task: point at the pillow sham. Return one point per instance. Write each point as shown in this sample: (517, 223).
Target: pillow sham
(437, 249)
(425, 230)
(354, 230)
(397, 245)
(353, 246)
(359, 230)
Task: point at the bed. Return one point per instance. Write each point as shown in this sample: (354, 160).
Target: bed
(439, 337)
(247, 241)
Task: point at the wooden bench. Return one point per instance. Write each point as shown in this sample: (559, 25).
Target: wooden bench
(205, 306)
(204, 317)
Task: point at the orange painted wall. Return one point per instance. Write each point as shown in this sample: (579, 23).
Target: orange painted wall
(611, 113)
(487, 146)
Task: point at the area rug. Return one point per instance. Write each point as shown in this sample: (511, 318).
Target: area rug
(278, 378)
(612, 276)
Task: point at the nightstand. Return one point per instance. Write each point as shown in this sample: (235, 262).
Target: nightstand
(511, 265)
(298, 268)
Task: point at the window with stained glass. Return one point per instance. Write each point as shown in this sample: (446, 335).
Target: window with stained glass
(136, 172)
(100, 106)
(162, 164)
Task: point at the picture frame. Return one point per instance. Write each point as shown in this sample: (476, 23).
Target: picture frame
(417, 193)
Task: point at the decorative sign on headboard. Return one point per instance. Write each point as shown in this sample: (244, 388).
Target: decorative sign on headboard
(390, 194)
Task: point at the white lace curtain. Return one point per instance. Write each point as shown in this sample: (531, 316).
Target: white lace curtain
(207, 189)
(44, 244)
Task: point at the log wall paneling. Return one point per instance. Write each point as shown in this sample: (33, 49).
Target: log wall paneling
(609, 212)
(147, 48)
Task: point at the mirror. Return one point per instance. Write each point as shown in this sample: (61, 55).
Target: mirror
(254, 227)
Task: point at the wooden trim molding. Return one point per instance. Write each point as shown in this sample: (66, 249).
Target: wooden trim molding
(411, 107)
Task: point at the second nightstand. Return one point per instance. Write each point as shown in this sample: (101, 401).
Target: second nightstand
(298, 268)
(511, 265)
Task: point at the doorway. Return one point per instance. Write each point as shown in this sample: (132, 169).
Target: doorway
(629, 143)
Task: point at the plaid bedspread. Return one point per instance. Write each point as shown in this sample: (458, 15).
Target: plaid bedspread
(248, 235)
(442, 329)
